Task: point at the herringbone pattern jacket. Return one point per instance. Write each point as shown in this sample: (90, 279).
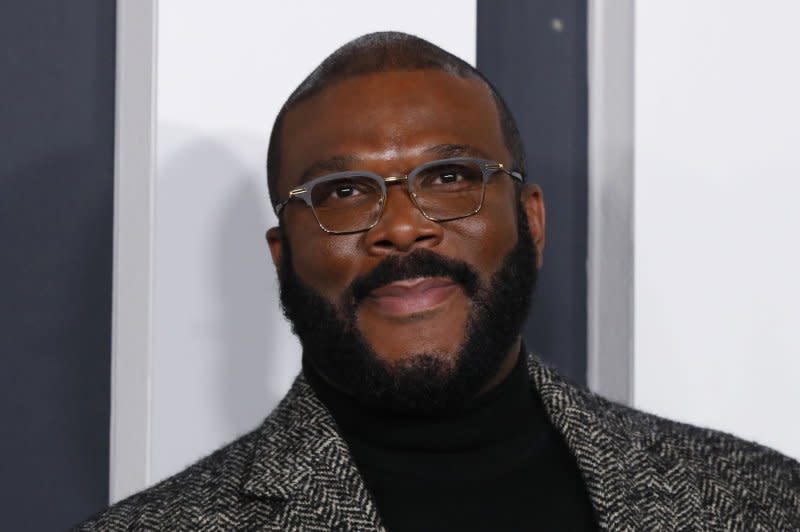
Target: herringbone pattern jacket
(642, 473)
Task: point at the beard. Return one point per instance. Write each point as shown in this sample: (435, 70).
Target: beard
(426, 382)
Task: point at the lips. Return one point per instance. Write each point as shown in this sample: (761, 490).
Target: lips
(411, 296)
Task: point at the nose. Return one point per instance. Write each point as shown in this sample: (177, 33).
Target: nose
(402, 226)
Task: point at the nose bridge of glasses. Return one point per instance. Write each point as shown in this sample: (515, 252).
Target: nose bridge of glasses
(396, 180)
(401, 215)
(392, 179)
(411, 195)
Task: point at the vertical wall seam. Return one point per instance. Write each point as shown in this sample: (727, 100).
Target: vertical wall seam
(610, 261)
(132, 297)
(151, 126)
(152, 237)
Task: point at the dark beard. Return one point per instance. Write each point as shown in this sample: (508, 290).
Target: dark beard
(425, 382)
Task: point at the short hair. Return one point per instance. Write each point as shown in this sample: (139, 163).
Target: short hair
(387, 51)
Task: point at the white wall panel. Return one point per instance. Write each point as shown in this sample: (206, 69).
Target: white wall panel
(222, 354)
(134, 173)
(609, 261)
(717, 187)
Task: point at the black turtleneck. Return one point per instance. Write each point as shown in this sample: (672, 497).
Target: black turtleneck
(497, 465)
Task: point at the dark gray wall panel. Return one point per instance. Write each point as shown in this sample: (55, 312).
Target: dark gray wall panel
(56, 206)
(534, 52)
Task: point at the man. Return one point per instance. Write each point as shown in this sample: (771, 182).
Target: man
(407, 250)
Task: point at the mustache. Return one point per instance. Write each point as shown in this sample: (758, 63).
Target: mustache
(418, 263)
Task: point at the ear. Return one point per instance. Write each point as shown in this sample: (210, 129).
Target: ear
(275, 243)
(533, 204)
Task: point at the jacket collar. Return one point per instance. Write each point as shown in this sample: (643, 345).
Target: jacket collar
(299, 453)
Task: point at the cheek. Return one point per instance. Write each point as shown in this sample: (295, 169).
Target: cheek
(327, 263)
(486, 238)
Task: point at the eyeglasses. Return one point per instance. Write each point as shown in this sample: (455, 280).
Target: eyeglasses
(353, 201)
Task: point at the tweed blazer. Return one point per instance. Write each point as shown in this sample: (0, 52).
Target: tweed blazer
(642, 473)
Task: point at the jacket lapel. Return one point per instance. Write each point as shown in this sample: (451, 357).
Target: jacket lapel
(301, 460)
(633, 485)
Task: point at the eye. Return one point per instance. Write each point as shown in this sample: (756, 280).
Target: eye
(445, 178)
(452, 177)
(345, 190)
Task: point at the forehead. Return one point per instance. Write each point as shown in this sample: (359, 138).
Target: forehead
(389, 118)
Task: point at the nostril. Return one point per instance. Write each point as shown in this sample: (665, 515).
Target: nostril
(400, 242)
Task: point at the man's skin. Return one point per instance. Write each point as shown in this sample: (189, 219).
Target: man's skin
(389, 123)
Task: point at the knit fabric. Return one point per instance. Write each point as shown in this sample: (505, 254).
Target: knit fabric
(642, 472)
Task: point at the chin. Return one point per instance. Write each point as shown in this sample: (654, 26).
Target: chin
(430, 337)
(406, 347)
(439, 361)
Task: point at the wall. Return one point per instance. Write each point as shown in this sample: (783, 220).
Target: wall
(717, 304)
(56, 199)
(534, 52)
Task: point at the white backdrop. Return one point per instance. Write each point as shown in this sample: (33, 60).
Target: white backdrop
(717, 306)
(220, 352)
(201, 351)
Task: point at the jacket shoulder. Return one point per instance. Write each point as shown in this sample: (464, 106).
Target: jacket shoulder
(738, 481)
(269, 479)
(640, 467)
(182, 500)
(711, 452)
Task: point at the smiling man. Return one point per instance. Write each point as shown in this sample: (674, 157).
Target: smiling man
(413, 246)
(407, 250)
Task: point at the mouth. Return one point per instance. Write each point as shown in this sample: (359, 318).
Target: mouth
(411, 296)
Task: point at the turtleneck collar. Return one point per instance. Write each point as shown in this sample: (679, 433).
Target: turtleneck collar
(497, 464)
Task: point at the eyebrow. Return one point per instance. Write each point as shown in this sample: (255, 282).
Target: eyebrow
(337, 163)
(341, 163)
(456, 150)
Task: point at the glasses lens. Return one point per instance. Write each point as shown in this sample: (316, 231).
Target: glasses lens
(449, 190)
(347, 204)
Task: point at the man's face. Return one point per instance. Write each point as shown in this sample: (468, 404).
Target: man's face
(389, 123)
